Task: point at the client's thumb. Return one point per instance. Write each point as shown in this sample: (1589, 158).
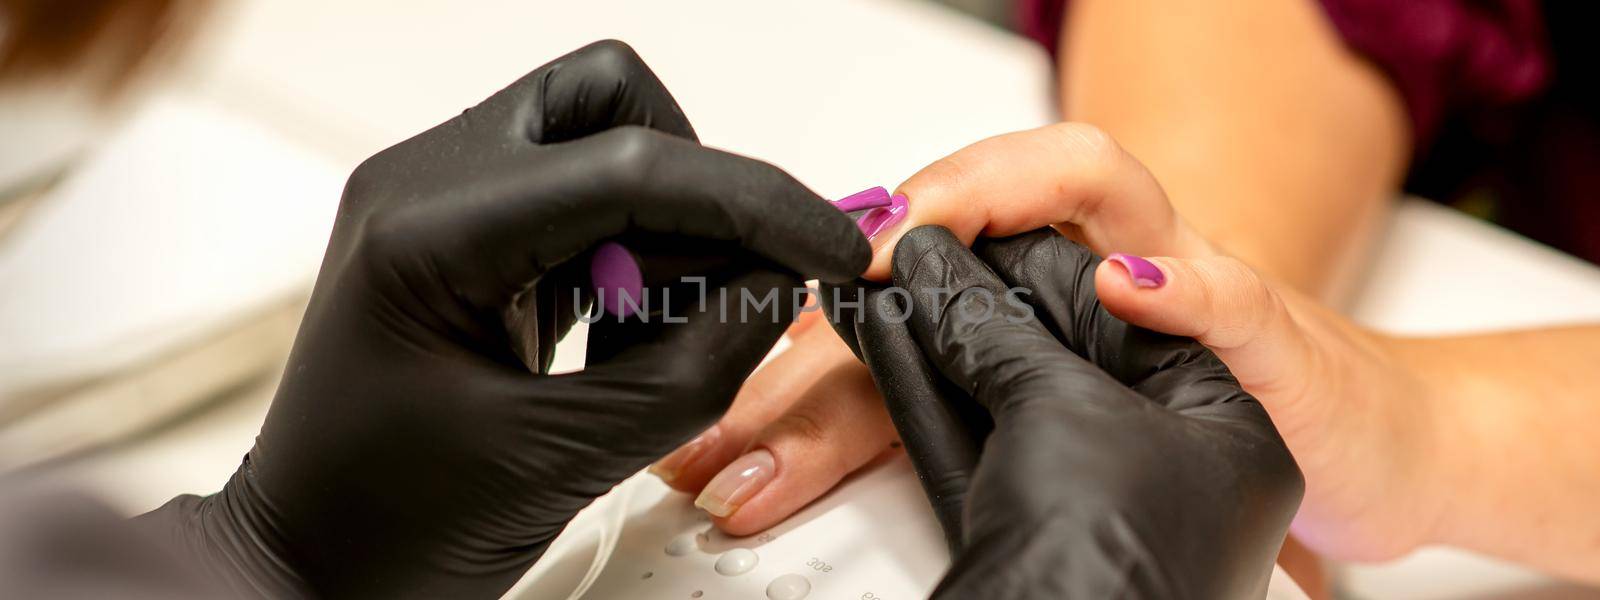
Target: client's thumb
(1219, 301)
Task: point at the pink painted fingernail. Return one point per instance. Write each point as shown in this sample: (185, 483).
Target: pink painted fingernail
(880, 220)
(740, 481)
(1144, 273)
(618, 282)
(872, 197)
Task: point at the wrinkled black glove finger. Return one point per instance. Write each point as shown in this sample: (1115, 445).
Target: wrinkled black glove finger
(1051, 471)
(982, 338)
(1173, 371)
(599, 86)
(1224, 432)
(939, 425)
(842, 307)
(1059, 276)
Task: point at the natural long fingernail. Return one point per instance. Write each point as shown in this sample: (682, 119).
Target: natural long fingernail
(880, 220)
(737, 483)
(1144, 273)
(671, 466)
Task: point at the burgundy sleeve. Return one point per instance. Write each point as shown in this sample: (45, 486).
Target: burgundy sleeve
(1447, 58)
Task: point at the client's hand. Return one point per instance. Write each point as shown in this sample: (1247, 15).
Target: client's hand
(414, 448)
(1121, 462)
(1363, 425)
(811, 416)
(1358, 420)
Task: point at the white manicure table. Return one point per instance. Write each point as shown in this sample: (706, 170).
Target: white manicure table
(211, 206)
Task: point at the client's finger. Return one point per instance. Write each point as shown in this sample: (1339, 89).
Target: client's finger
(838, 425)
(763, 398)
(1071, 175)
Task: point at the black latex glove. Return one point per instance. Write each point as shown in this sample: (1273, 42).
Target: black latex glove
(410, 451)
(1121, 463)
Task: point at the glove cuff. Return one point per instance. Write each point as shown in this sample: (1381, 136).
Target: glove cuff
(228, 536)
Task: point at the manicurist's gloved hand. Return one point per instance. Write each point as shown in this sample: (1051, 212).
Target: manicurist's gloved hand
(1069, 454)
(415, 447)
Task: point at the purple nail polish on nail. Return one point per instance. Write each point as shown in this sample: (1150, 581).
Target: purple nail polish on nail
(869, 222)
(872, 197)
(884, 219)
(1144, 273)
(615, 273)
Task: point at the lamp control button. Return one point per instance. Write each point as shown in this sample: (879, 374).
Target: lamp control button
(737, 561)
(683, 544)
(788, 587)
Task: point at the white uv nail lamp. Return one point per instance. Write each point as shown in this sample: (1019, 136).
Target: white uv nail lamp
(872, 538)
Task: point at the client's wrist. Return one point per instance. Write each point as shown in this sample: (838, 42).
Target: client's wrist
(1449, 470)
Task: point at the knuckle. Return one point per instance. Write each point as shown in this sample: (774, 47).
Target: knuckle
(1087, 139)
(385, 244)
(771, 176)
(368, 175)
(631, 153)
(1097, 156)
(1254, 290)
(1242, 298)
(386, 234)
(805, 425)
(760, 184)
(611, 56)
(952, 172)
(1234, 271)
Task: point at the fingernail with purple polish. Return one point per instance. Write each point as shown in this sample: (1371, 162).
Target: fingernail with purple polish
(616, 276)
(872, 197)
(879, 220)
(1144, 273)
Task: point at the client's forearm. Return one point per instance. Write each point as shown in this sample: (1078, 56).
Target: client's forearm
(1518, 446)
